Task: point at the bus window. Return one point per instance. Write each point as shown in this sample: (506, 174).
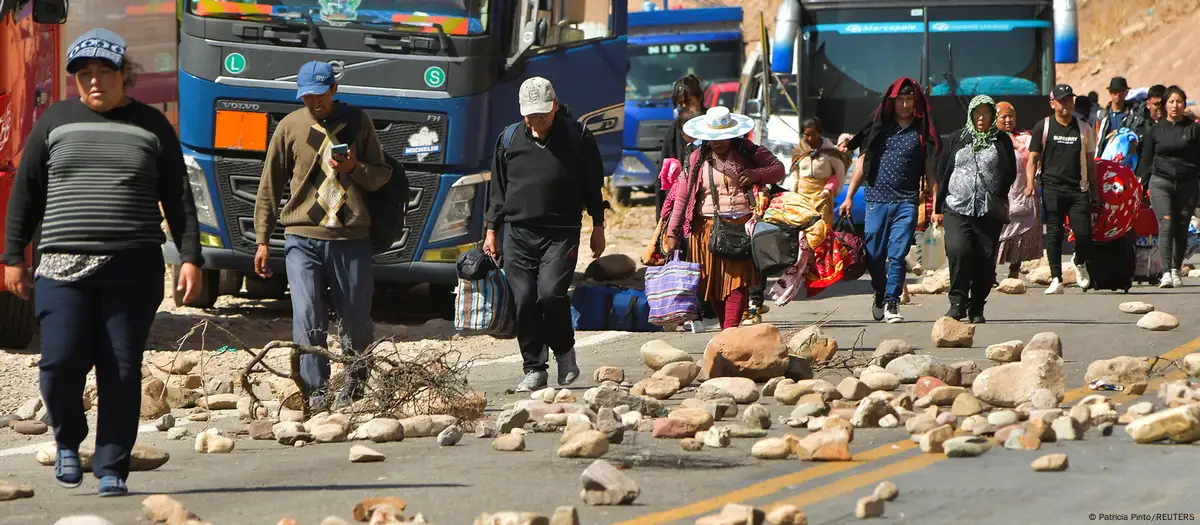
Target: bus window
(859, 52)
(996, 50)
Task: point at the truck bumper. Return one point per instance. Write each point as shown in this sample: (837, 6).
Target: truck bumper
(415, 272)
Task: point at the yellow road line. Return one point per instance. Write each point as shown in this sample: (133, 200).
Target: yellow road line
(850, 483)
(771, 486)
(766, 488)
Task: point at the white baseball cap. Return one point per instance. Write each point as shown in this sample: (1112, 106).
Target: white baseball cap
(536, 96)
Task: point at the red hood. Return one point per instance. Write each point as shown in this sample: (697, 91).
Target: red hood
(921, 110)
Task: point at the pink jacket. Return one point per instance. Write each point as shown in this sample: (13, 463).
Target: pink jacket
(685, 203)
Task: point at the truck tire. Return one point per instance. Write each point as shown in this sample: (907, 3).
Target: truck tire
(210, 288)
(441, 298)
(231, 282)
(17, 322)
(274, 287)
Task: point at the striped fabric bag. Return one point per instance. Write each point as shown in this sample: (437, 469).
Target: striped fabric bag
(486, 307)
(671, 291)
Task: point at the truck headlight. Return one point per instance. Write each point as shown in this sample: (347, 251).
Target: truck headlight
(454, 218)
(204, 207)
(631, 164)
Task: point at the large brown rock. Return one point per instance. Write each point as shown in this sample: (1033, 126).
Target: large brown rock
(1121, 370)
(613, 267)
(951, 333)
(658, 353)
(755, 352)
(813, 345)
(154, 400)
(1011, 384)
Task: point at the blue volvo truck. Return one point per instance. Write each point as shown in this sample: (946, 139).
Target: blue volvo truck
(665, 46)
(439, 79)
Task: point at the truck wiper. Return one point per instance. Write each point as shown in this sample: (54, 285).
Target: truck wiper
(441, 31)
(312, 28)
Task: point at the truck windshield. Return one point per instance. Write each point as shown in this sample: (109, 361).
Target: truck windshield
(457, 17)
(654, 68)
(855, 53)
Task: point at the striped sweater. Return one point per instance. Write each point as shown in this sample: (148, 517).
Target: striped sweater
(94, 182)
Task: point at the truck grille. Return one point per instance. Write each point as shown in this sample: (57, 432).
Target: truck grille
(399, 131)
(237, 184)
(650, 133)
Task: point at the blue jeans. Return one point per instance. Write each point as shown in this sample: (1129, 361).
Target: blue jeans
(322, 272)
(102, 320)
(890, 227)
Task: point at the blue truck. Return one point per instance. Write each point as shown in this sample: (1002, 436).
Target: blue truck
(664, 46)
(836, 58)
(439, 79)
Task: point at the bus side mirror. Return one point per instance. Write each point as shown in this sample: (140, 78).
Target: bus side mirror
(754, 108)
(49, 11)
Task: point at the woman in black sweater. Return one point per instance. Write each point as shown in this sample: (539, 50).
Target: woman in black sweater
(1170, 170)
(93, 175)
(975, 171)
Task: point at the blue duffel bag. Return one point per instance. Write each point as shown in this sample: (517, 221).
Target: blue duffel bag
(599, 308)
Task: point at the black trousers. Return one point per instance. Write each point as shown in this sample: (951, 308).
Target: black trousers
(971, 249)
(540, 265)
(1061, 203)
(102, 320)
(1173, 202)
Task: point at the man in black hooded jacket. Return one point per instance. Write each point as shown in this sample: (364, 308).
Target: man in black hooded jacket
(899, 146)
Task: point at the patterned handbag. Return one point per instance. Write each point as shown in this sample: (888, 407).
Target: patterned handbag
(486, 306)
(671, 291)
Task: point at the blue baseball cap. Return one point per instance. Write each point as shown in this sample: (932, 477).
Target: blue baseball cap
(97, 43)
(315, 78)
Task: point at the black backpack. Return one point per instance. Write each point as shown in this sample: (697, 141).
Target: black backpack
(388, 205)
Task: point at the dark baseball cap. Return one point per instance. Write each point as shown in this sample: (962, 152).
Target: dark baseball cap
(97, 43)
(1062, 92)
(315, 78)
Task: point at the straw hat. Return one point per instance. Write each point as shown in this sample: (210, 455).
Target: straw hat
(718, 124)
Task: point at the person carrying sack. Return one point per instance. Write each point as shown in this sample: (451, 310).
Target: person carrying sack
(717, 185)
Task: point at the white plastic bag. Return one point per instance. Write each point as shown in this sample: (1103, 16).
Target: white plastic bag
(933, 248)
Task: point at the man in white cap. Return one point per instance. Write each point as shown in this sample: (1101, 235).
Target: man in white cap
(546, 172)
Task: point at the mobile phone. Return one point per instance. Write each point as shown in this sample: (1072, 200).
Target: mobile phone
(340, 150)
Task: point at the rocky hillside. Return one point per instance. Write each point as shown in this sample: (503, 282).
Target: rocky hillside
(1147, 41)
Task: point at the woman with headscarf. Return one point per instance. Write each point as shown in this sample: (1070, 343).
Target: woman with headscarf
(716, 188)
(1021, 238)
(975, 172)
(93, 176)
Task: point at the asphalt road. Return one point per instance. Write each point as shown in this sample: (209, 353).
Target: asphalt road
(261, 481)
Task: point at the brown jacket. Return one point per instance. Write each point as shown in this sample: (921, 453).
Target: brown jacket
(292, 158)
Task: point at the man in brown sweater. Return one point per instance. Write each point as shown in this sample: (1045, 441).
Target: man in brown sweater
(326, 222)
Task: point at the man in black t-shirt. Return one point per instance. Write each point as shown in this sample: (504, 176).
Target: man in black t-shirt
(1064, 148)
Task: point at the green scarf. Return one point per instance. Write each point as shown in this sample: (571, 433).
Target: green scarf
(980, 140)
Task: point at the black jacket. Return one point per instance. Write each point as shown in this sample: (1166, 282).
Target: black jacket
(1007, 169)
(1171, 150)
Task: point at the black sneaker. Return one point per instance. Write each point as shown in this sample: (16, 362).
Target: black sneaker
(978, 319)
(877, 308)
(956, 312)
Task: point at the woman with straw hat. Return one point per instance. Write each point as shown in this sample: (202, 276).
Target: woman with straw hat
(714, 191)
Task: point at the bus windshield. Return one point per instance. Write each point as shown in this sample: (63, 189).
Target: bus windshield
(654, 68)
(456, 17)
(856, 53)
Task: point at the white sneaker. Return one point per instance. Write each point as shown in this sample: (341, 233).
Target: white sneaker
(1167, 281)
(1084, 280)
(1176, 279)
(891, 314)
(1055, 288)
